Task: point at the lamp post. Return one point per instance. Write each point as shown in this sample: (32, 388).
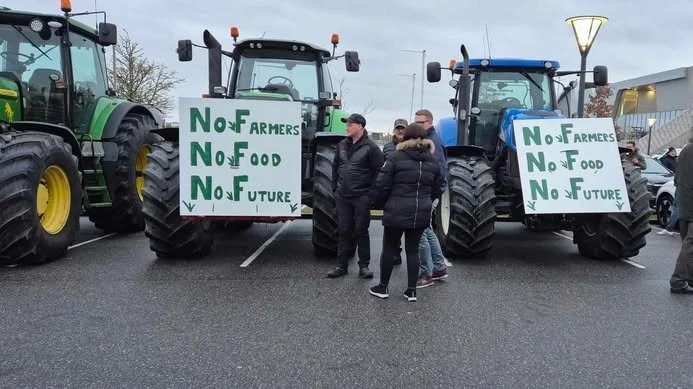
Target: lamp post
(585, 29)
(650, 124)
(413, 82)
(423, 70)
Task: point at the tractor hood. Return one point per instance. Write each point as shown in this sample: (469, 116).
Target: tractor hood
(507, 134)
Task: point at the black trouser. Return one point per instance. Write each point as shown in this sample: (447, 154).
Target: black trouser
(391, 239)
(683, 272)
(364, 248)
(353, 219)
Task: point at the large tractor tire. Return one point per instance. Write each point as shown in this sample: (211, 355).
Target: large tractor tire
(40, 197)
(324, 207)
(169, 235)
(134, 142)
(619, 235)
(466, 216)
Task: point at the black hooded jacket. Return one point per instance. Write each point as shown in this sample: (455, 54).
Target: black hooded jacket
(407, 184)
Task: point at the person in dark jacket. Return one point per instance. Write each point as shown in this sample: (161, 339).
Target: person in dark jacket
(406, 186)
(669, 160)
(682, 279)
(389, 148)
(355, 168)
(431, 255)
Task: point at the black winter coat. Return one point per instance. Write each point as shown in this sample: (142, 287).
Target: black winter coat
(356, 167)
(407, 184)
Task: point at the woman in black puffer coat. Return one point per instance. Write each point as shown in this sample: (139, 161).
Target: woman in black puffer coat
(406, 186)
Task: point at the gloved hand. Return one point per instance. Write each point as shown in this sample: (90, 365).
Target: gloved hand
(435, 203)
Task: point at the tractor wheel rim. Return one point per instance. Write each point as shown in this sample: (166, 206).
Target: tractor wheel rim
(445, 211)
(140, 165)
(53, 199)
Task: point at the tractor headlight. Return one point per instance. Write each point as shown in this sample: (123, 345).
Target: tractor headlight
(36, 25)
(92, 149)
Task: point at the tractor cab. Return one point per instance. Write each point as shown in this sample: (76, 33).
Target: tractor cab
(272, 69)
(52, 68)
(500, 85)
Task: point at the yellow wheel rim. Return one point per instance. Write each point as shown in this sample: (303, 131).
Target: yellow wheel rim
(53, 199)
(140, 165)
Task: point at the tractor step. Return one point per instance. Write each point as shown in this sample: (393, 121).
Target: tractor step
(95, 188)
(92, 171)
(100, 205)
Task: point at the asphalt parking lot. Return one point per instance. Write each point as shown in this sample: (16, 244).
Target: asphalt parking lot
(535, 314)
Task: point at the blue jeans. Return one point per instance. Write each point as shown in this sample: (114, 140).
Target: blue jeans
(430, 253)
(673, 221)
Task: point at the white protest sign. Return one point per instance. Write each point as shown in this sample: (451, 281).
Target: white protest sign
(240, 157)
(570, 166)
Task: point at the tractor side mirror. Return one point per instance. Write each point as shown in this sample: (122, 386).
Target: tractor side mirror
(433, 71)
(184, 50)
(351, 60)
(108, 34)
(601, 75)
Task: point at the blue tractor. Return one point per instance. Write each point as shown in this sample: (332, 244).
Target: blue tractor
(484, 183)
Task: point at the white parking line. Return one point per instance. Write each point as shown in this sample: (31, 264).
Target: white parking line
(262, 248)
(628, 261)
(86, 242)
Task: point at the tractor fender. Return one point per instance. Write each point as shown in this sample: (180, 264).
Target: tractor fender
(465, 151)
(322, 137)
(121, 111)
(53, 129)
(170, 134)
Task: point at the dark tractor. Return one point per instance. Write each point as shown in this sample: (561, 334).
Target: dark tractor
(483, 172)
(265, 69)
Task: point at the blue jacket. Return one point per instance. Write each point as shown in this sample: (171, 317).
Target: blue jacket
(439, 156)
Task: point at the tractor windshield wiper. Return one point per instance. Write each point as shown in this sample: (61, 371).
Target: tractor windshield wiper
(526, 75)
(19, 30)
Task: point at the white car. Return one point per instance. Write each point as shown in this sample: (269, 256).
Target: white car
(663, 203)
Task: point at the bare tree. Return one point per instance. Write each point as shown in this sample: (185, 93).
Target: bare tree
(370, 107)
(140, 79)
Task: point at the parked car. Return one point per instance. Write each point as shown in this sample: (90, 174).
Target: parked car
(657, 175)
(664, 202)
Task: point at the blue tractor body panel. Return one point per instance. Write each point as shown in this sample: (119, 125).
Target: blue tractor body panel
(447, 126)
(507, 133)
(510, 63)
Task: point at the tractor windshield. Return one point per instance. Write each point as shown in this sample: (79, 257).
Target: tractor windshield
(36, 60)
(280, 75)
(498, 90)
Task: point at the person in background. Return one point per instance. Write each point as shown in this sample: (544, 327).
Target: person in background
(389, 148)
(430, 253)
(682, 277)
(669, 159)
(406, 186)
(634, 156)
(357, 162)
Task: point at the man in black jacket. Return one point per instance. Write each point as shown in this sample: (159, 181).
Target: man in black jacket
(669, 159)
(356, 166)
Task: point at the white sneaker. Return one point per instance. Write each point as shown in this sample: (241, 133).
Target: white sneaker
(665, 232)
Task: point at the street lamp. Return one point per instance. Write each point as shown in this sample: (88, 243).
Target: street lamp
(413, 82)
(650, 124)
(585, 29)
(423, 70)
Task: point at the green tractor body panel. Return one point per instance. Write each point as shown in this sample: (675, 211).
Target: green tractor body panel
(99, 118)
(10, 101)
(335, 124)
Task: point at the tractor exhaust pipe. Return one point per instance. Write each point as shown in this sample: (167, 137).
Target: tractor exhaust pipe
(214, 49)
(464, 86)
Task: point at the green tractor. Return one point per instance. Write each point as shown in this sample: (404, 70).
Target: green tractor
(263, 69)
(67, 145)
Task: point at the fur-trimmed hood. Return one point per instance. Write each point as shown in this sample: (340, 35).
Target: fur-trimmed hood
(411, 144)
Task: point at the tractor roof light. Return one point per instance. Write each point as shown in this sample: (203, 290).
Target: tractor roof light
(335, 39)
(451, 64)
(548, 64)
(66, 5)
(36, 25)
(585, 29)
(234, 33)
(485, 62)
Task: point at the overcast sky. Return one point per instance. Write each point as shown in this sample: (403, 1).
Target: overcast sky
(641, 37)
